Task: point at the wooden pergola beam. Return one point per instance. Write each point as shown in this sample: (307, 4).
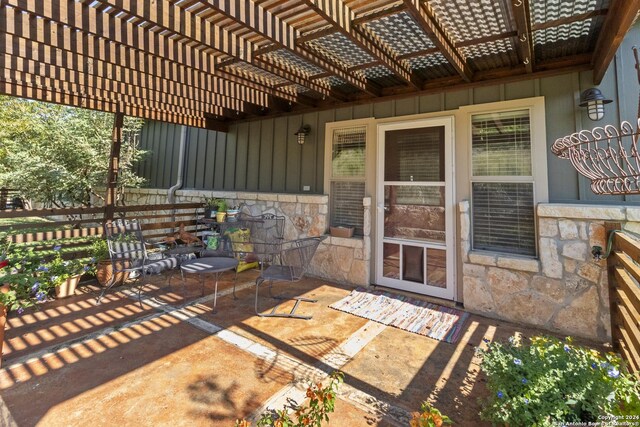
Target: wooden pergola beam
(76, 69)
(524, 41)
(379, 13)
(172, 18)
(255, 18)
(118, 48)
(426, 18)
(337, 13)
(621, 15)
(63, 81)
(59, 96)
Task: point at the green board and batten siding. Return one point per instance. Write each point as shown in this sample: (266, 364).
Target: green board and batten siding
(263, 155)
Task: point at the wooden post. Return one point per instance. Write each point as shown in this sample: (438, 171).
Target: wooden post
(114, 164)
(610, 227)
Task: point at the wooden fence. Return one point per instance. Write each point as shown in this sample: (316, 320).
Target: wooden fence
(624, 297)
(10, 199)
(74, 229)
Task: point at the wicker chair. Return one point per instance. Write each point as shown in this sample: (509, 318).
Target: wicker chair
(294, 260)
(128, 253)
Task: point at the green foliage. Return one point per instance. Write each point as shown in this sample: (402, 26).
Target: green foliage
(550, 381)
(322, 401)
(99, 250)
(31, 274)
(429, 417)
(58, 155)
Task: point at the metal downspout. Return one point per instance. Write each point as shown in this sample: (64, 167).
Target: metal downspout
(171, 193)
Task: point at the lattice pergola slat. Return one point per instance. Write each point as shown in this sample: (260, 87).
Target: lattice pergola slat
(207, 63)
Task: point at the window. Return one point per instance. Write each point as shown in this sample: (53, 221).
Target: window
(347, 177)
(502, 182)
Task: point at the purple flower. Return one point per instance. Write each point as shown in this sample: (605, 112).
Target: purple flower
(54, 278)
(526, 401)
(612, 372)
(35, 287)
(20, 310)
(594, 365)
(517, 362)
(93, 259)
(567, 348)
(500, 395)
(57, 248)
(87, 268)
(43, 268)
(524, 381)
(41, 296)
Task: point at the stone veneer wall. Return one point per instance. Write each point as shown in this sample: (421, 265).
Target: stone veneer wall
(340, 260)
(565, 290)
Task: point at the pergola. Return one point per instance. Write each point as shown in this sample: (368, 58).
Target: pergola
(207, 63)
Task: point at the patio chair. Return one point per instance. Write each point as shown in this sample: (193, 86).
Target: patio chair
(294, 260)
(128, 253)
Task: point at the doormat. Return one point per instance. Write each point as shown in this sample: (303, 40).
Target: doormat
(413, 315)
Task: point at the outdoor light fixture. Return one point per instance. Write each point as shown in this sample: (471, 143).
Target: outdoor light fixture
(302, 133)
(594, 100)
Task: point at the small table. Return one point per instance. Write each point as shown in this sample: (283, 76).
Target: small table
(210, 265)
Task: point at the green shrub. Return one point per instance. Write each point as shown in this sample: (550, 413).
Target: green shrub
(550, 381)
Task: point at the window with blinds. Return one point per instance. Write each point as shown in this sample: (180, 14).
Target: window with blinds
(347, 181)
(502, 195)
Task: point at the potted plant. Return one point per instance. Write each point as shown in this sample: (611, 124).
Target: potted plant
(102, 267)
(19, 285)
(222, 210)
(63, 275)
(210, 207)
(232, 213)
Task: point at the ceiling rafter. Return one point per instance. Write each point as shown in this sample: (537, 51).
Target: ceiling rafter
(385, 10)
(622, 14)
(262, 22)
(524, 42)
(116, 46)
(340, 16)
(426, 18)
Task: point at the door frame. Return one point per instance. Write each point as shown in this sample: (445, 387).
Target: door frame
(450, 292)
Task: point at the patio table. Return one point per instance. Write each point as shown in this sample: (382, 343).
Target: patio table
(210, 265)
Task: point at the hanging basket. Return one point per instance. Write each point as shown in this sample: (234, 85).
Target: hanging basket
(608, 156)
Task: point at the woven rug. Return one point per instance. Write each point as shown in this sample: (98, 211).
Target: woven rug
(413, 315)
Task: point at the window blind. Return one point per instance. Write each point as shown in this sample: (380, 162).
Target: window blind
(414, 155)
(346, 205)
(501, 144)
(503, 217)
(347, 181)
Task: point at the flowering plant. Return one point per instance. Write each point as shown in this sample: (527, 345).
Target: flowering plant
(57, 270)
(429, 417)
(18, 275)
(322, 401)
(551, 381)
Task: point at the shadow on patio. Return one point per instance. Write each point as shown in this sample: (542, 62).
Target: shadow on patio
(176, 362)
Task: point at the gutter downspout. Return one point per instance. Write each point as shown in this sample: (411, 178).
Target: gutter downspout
(171, 193)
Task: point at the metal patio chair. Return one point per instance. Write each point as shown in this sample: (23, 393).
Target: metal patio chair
(128, 253)
(294, 260)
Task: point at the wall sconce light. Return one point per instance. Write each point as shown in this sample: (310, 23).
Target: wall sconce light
(302, 133)
(594, 100)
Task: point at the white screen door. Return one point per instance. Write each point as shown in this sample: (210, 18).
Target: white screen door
(415, 207)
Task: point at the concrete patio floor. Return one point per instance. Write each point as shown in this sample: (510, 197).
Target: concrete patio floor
(176, 362)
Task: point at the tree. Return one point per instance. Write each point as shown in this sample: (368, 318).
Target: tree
(59, 156)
